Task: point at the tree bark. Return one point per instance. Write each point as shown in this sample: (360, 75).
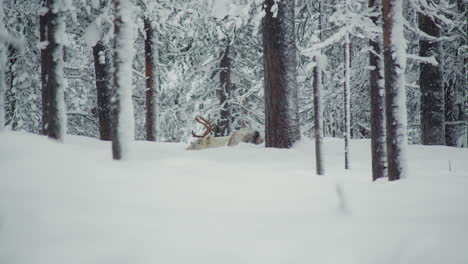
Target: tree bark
(432, 85)
(43, 21)
(3, 59)
(152, 81)
(103, 72)
(281, 95)
(347, 101)
(224, 126)
(377, 103)
(123, 120)
(395, 97)
(56, 119)
(318, 115)
(455, 95)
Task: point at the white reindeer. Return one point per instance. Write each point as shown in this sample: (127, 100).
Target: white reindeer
(204, 141)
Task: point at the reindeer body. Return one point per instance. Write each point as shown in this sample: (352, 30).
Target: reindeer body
(245, 135)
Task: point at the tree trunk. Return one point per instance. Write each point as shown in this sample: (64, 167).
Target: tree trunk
(152, 81)
(3, 59)
(43, 21)
(56, 119)
(347, 101)
(103, 72)
(395, 97)
(318, 115)
(281, 95)
(123, 120)
(432, 86)
(377, 103)
(455, 88)
(224, 126)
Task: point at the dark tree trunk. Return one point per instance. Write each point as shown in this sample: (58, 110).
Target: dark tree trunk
(43, 21)
(318, 115)
(281, 95)
(456, 133)
(103, 72)
(224, 126)
(377, 103)
(347, 101)
(56, 126)
(11, 120)
(395, 97)
(431, 85)
(152, 81)
(3, 88)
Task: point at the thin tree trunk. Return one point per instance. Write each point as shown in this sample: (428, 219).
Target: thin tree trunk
(281, 95)
(395, 97)
(377, 102)
(347, 102)
(152, 81)
(3, 60)
(455, 90)
(56, 125)
(224, 127)
(12, 54)
(432, 86)
(103, 72)
(123, 120)
(318, 115)
(43, 21)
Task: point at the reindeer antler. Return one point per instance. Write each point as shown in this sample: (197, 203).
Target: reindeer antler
(207, 124)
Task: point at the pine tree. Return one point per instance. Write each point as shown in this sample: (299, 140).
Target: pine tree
(123, 119)
(318, 116)
(103, 72)
(56, 119)
(43, 21)
(3, 50)
(377, 103)
(395, 97)
(152, 80)
(431, 82)
(224, 126)
(347, 100)
(281, 95)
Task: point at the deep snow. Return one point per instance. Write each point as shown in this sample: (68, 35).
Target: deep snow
(70, 203)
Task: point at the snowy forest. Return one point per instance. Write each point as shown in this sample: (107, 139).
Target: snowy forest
(212, 110)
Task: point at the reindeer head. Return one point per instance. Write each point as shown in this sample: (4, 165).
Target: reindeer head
(202, 141)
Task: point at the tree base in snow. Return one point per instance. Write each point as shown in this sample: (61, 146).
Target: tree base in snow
(456, 134)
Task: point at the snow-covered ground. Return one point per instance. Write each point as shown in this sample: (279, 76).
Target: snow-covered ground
(70, 203)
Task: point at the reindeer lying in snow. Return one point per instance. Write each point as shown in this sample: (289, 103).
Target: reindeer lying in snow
(204, 141)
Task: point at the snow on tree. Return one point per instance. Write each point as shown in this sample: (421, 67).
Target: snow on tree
(281, 93)
(96, 35)
(394, 50)
(318, 115)
(154, 14)
(123, 124)
(377, 101)
(454, 63)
